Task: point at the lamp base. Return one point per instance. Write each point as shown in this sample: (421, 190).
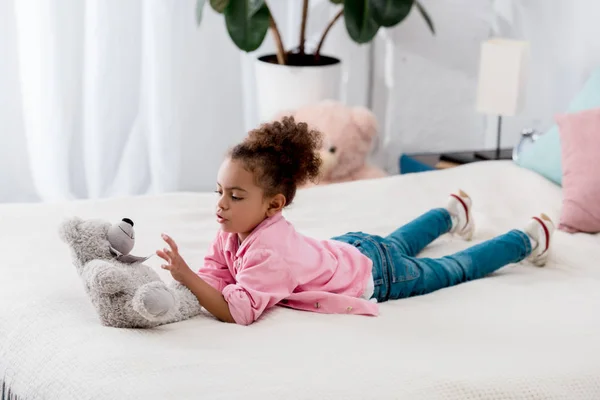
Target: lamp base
(498, 153)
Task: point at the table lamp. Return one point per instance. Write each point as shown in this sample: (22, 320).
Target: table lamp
(501, 84)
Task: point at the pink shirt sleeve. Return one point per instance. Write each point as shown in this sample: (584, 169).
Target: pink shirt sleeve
(263, 280)
(215, 271)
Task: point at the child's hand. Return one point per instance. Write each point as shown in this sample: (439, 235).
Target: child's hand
(175, 263)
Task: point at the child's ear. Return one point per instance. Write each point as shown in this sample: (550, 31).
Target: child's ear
(276, 204)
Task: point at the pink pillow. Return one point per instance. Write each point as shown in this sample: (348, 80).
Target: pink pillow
(580, 156)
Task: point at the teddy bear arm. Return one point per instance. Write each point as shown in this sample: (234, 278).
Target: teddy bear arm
(189, 306)
(105, 277)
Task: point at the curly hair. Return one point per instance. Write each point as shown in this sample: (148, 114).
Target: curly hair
(282, 155)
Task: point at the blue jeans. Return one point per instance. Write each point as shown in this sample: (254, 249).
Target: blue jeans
(397, 273)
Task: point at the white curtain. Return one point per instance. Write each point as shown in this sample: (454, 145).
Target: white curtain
(117, 97)
(104, 98)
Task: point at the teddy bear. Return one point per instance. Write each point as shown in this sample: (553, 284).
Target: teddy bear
(125, 292)
(348, 136)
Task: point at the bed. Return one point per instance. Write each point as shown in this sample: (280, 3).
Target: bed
(521, 333)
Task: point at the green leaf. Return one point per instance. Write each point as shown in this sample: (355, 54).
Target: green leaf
(390, 12)
(337, 1)
(219, 5)
(255, 6)
(199, 9)
(426, 16)
(359, 21)
(247, 25)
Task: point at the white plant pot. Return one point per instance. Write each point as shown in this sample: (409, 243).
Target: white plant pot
(287, 87)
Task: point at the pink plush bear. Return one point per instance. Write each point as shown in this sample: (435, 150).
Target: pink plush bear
(348, 135)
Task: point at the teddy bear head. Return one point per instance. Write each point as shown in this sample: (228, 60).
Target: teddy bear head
(99, 240)
(348, 135)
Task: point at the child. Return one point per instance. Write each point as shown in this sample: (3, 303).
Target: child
(258, 260)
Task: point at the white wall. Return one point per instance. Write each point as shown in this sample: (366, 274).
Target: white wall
(425, 85)
(564, 50)
(430, 105)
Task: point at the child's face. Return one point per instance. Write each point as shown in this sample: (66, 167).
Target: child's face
(241, 205)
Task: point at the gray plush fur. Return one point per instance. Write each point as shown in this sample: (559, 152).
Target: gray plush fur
(125, 292)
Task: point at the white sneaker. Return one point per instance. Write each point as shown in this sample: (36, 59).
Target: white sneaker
(459, 206)
(540, 230)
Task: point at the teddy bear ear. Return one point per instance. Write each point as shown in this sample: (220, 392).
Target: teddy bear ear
(68, 229)
(366, 122)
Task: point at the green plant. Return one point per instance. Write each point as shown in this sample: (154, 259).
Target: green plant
(248, 21)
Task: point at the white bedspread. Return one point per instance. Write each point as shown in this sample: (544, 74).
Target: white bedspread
(522, 333)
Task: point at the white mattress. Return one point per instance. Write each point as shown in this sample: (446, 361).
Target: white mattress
(522, 333)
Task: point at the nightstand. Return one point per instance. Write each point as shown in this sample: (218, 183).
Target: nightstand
(419, 162)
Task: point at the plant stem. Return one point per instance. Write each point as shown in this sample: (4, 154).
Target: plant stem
(303, 26)
(281, 55)
(331, 23)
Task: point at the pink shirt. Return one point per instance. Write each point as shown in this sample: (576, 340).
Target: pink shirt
(276, 265)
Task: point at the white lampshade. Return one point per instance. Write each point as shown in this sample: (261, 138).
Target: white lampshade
(502, 76)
